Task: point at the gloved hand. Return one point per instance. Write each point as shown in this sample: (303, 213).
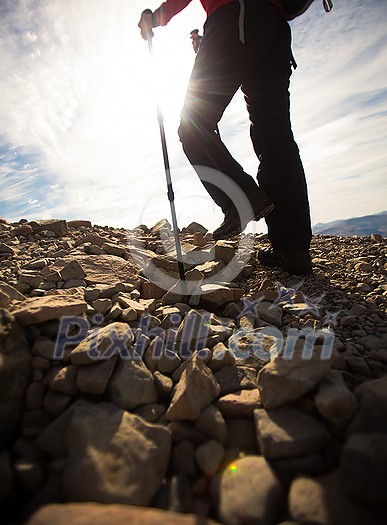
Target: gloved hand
(146, 24)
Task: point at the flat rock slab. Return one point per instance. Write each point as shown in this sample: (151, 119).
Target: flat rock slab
(114, 514)
(104, 269)
(40, 309)
(287, 432)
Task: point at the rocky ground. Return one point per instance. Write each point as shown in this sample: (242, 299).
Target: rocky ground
(248, 397)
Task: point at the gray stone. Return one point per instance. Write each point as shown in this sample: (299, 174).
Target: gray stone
(98, 437)
(287, 432)
(248, 491)
(196, 389)
(335, 401)
(269, 313)
(132, 385)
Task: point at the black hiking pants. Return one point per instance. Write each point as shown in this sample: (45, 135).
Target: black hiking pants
(262, 68)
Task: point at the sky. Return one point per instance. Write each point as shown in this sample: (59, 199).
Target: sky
(79, 135)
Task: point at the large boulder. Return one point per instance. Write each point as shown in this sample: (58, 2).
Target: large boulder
(114, 456)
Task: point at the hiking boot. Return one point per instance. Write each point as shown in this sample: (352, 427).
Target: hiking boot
(295, 261)
(262, 205)
(232, 225)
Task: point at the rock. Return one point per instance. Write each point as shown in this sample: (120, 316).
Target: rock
(4, 300)
(364, 468)
(194, 227)
(85, 513)
(269, 313)
(103, 269)
(196, 389)
(224, 251)
(55, 403)
(151, 412)
(363, 267)
(376, 237)
(72, 270)
(6, 475)
(162, 229)
(335, 401)
(132, 385)
(58, 227)
(371, 342)
(99, 436)
(52, 439)
(79, 224)
(93, 379)
(322, 501)
(15, 371)
(64, 380)
(40, 309)
(236, 378)
(112, 249)
(248, 492)
(372, 413)
(287, 432)
(221, 356)
(217, 296)
(163, 383)
(284, 380)
(103, 343)
(209, 457)
(11, 292)
(211, 423)
(240, 404)
(5, 249)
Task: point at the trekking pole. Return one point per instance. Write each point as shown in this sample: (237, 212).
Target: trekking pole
(170, 193)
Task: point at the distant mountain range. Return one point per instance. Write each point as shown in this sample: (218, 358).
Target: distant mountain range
(356, 226)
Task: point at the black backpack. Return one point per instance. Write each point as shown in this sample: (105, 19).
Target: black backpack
(294, 8)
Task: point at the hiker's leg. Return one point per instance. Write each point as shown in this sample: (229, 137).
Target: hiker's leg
(215, 78)
(281, 174)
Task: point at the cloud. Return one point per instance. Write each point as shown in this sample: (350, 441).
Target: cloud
(78, 110)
